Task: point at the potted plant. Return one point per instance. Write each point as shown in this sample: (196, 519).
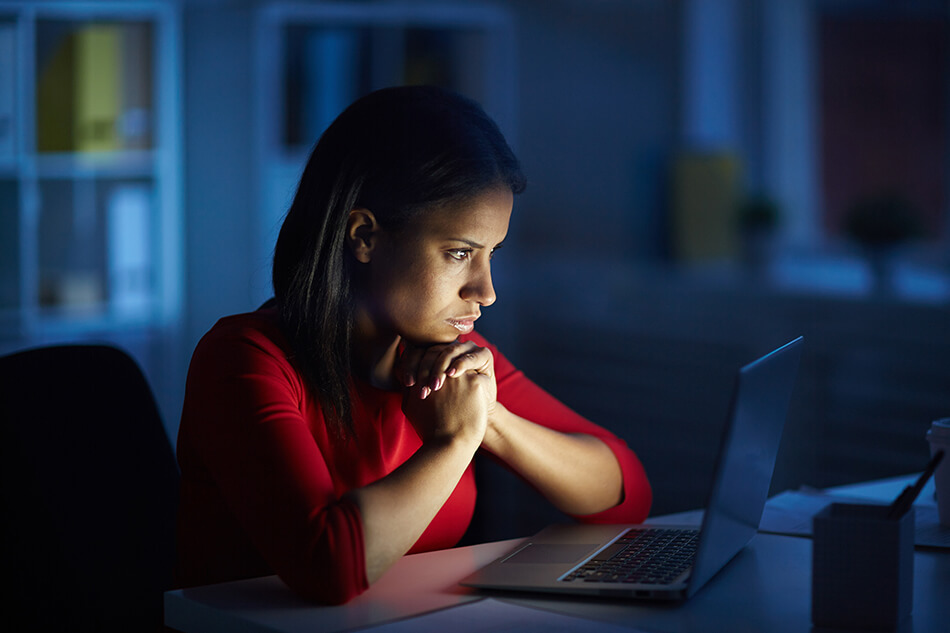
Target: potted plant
(758, 218)
(880, 224)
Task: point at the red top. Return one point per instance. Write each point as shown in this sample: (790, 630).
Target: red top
(262, 480)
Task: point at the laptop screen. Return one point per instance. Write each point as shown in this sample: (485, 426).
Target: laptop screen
(747, 456)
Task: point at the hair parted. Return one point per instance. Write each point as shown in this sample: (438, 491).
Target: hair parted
(397, 152)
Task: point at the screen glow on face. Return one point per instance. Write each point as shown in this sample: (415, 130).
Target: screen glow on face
(429, 282)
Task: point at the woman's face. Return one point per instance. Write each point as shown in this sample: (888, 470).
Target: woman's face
(429, 282)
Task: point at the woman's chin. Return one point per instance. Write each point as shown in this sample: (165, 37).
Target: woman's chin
(430, 340)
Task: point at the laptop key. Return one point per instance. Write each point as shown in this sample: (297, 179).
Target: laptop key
(654, 557)
(609, 552)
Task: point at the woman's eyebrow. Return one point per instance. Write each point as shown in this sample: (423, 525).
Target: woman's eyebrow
(465, 241)
(474, 244)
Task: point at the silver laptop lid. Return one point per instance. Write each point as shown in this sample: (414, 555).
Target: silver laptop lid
(746, 459)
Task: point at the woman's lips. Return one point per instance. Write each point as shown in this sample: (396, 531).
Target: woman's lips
(463, 324)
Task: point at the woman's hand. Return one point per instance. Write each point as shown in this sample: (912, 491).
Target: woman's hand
(447, 385)
(451, 389)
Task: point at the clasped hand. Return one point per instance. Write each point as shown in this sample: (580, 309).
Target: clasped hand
(450, 390)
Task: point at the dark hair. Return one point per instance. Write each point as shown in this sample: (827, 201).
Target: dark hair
(396, 152)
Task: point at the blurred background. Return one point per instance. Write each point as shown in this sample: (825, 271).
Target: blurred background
(707, 180)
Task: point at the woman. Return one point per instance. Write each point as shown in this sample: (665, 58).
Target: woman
(332, 431)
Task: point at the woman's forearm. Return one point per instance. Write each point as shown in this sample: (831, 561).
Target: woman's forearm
(396, 509)
(578, 473)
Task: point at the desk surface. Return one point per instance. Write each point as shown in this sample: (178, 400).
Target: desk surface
(767, 587)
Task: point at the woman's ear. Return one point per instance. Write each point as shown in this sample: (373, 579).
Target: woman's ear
(362, 231)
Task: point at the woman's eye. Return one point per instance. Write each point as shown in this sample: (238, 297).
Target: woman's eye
(460, 254)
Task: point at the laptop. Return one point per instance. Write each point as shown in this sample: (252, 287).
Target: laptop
(661, 562)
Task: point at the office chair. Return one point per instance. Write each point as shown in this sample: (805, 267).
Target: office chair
(90, 489)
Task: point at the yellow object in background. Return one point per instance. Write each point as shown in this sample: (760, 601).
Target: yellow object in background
(706, 190)
(97, 88)
(55, 90)
(79, 92)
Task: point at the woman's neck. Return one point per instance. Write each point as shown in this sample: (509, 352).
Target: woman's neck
(374, 353)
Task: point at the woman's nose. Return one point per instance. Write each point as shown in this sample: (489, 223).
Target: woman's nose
(479, 287)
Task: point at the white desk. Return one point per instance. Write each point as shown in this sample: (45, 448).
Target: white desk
(767, 587)
(415, 584)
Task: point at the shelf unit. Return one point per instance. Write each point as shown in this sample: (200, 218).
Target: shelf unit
(315, 59)
(90, 202)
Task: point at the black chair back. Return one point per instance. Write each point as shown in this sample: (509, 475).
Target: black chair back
(90, 490)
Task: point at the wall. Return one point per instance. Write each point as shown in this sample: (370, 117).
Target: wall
(597, 117)
(219, 214)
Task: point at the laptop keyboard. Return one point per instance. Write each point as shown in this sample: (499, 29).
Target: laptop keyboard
(643, 556)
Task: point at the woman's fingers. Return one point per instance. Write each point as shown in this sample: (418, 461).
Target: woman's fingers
(416, 365)
(453, 360)
(479, 360)
(428, 368)
(435, 362)
(452, 363)
(459, 406)
(407, 365)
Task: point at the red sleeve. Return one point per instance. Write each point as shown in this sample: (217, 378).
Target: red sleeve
(242, 417)
(524, 398)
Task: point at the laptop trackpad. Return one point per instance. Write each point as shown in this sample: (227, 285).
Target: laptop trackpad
(545, 553)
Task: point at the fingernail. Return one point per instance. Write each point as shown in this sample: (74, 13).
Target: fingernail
(410, 380)
(451, 371)
(424, 393)
(436, 383)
